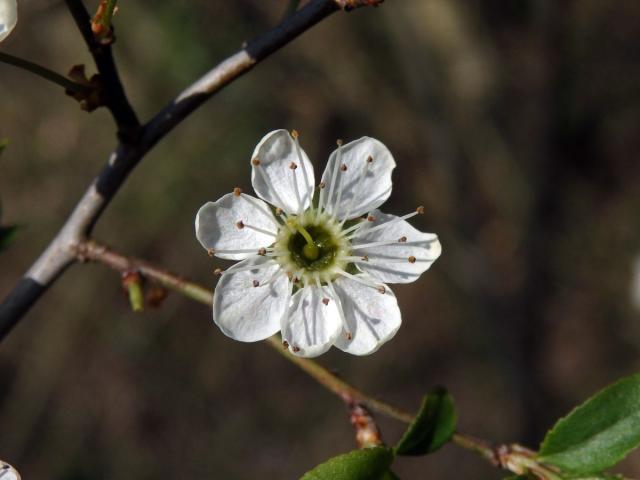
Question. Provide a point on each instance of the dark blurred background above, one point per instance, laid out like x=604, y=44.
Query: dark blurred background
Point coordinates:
x=516, y=124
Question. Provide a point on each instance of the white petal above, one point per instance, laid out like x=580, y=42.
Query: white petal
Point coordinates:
x=8, y=17
x=390, y=263
x=249, y=304
x=291, y=189
x=218, y=227
x=372, y=317
x=311, y=326
x=364, y=185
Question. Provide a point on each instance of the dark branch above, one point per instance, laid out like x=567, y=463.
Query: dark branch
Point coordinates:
x=61, y=252
x=115, y=97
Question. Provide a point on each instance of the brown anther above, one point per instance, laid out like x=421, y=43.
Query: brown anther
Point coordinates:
x=293, y=165
x=294, y=133
x=412, y=259
x=296, y=349
x=285, y=344
x=240, y=224
x=402, y=239
x=381, y=289
x=325, y=300
x=349, y=336
x=217, y=271
x=365, y=259
x=322, y=185
x=255, y=162
x=343, y=167
x=278, y=211
x=296, y=280
x=237, y=191
x=211, y=252
x=339, y=142
x=420, y=209
x=369, y=159
x=262, y=252
x=371, y=218
x=255, y=283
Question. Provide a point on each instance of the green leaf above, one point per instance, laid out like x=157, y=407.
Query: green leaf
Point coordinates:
x=389, y=475
x=597, y=434
x=7, y=235
x=366, y=464
x=433, y=426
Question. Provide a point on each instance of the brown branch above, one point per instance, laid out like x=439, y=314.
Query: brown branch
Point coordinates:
x=135, y=143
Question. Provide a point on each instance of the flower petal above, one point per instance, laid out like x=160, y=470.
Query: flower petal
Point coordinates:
x=8, y=17
x=248, y=304
x=403, y=261
x=372, y=317
x=279, y=176
x=313, y=322
x=235, y=222
x=365, y=184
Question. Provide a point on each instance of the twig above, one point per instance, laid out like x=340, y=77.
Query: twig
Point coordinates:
x=59, y=255
x=43, y=72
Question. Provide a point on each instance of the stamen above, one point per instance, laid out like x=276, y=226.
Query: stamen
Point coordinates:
x=310, y=250
x=261, y=208
x=336, y=162
x=293, y=167
x=357, y=189
x=334, y=208
x=336, y=299
x=237, y=191
x=256, y=283
x=412, y=259
x=418, y=211
x=258, y=266
x=363, y=280
x=240, y=224
x=393, y=242
x=218, y=271
x=305, y=175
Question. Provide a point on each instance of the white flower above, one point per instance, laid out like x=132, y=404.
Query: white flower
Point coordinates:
x=8, y=17
x=7, y=472
x=313, y=268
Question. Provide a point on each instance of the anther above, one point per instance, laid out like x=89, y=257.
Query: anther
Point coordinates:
x=296, y=280
x=240, y=224
x=412, y=259
x=255, y=283
x=371, y=218
x=369, y=159
x=293, y=165
x=322, y=185
x=211, y=252
x=237, y=191
x=339, y=142
x=365, y=258
x=285, y=344
x=381, y=289
x=325, y=300
x=262, y=252
x=420, y=209
x=278, y=211
x=348, y=335
x=402, y=239
x=218, y=271
x=294, y=133
x=343, y=167
x=296, y=349
x=255, y=162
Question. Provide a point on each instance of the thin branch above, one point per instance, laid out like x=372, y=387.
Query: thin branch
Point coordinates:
x=513, y=458
x=115, y=96
x=43, y=72
x=59, y=255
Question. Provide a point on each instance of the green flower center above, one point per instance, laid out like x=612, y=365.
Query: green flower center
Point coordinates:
x=314, y=248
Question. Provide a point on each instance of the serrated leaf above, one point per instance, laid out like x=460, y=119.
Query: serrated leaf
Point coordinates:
x=433, y=426
x=366, y=464
x=7, y=235
x=597, y=434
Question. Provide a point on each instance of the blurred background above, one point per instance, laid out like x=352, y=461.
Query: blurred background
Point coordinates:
x=517, y=126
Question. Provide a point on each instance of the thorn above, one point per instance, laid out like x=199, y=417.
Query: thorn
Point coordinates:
x=325, y=300
x=262, y=252
x=255, y=283
x=255, y=162
x=420, y=209
x=217, y=271
x=412, y=259
x=211, y=252
x=237, y=191
x=371, y=218
x=402, y=239
x=293, y=165
x=240, y=224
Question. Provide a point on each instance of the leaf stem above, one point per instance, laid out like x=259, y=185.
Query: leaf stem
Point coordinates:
x=43, y=72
